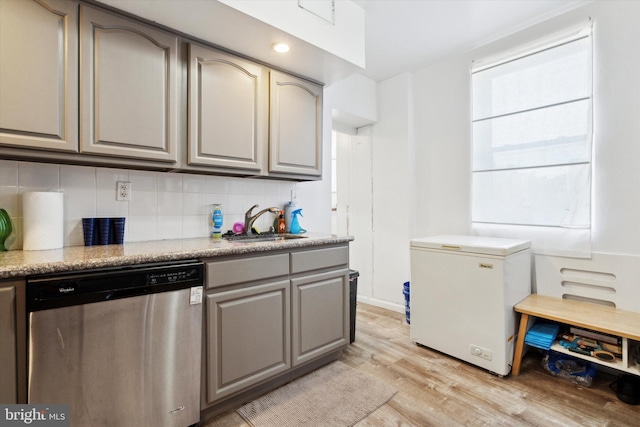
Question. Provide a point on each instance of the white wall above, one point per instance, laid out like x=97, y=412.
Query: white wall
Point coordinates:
x=377, y=183
x=442, y=128
x=392, y=139
x=442, y=149
x=433, y=147
x=355, y=201
x=354, y=103
x=162, y=206
x=616, y=226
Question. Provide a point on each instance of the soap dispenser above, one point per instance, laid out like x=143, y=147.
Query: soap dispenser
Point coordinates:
x=282, y=228
x=216, y=220
x=289, y=207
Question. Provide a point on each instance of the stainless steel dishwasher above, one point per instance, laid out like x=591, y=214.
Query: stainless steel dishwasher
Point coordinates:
x=120, y=346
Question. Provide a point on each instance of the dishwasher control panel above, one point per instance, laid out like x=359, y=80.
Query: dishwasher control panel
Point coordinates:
x=173, y=276
x=81, y=287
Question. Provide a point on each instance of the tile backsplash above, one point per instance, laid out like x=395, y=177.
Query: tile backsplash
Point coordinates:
x=162, y=206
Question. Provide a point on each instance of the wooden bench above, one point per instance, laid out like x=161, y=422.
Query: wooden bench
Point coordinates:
x=601, y=318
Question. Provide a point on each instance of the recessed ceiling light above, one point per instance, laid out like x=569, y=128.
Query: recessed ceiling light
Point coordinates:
x=281, y=47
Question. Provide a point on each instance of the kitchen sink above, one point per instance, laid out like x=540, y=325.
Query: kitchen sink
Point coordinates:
x=262, y=237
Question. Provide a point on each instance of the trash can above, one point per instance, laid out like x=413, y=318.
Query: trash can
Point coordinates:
x=353, y=292
x=406, y=290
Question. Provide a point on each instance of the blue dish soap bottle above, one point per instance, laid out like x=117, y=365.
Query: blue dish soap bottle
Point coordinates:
x=216, y=219
x=295, y=224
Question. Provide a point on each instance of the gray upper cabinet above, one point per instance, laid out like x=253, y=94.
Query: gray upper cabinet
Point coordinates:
x=39, y=74
x=227, y=111
x=80, y=84
x=295, y=144
x=240, y=112
x=129, y=88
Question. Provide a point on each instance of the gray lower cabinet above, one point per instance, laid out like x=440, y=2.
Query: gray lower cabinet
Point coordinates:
x=8, y=357
x=247, y=337
x=319, y=301
x=247, y=323
x=12, y=342
x=269, y=314
x=39, y=74
x=319, y=314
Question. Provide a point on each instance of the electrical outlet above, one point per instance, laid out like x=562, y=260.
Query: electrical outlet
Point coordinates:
x=123, y=191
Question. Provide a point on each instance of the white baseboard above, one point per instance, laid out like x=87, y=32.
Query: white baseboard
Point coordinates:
x=382, y=304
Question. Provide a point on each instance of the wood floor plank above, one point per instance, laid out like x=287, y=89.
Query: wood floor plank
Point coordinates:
x=437, y=390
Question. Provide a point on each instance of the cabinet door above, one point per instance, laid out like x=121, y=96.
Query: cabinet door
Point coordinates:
x=226, y=111
x=8, y=356
x=295, y=143
x=248, y=332
x=129, y=88
x=39, y=74
x=319, y=315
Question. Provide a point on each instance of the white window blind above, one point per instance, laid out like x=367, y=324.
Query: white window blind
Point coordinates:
x=532, y=138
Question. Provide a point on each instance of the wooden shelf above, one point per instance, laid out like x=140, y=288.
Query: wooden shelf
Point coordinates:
x=615, y=365
x=600, y=318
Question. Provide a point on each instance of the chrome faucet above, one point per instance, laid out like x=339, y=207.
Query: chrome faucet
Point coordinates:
x=250, y=219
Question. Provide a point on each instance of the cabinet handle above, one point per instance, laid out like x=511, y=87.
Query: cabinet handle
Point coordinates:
x=453, y=248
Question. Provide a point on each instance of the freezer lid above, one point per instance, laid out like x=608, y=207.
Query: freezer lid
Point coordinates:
x=472, y=244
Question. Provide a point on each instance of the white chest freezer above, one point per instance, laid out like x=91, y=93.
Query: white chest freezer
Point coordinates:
x=463, y=289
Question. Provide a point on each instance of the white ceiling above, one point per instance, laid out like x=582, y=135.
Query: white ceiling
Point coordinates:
x=407, y=35
x=400, y=35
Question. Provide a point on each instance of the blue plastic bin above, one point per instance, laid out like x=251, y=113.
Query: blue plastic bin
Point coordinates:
x=406, y=290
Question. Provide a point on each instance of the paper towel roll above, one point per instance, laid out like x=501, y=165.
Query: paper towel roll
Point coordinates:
x=42, y=220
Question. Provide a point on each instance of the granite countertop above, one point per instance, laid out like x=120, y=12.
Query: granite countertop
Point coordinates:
x=24, y=263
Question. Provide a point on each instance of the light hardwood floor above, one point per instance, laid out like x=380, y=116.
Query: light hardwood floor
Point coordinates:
x=437, y=390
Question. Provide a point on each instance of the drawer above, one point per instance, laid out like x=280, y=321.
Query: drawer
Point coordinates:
x=319, y=258
x=233, y=271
